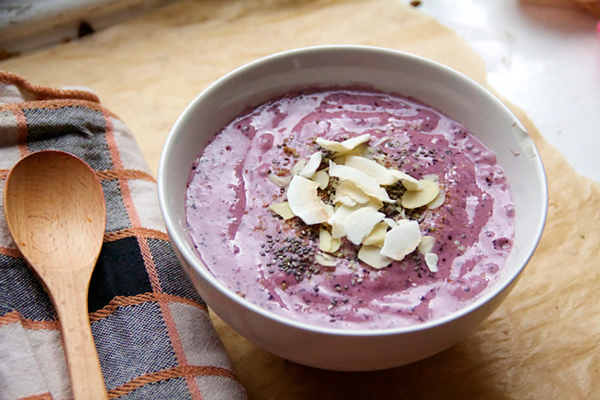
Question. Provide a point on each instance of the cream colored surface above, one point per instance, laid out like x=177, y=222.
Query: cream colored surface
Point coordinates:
x=544, y=340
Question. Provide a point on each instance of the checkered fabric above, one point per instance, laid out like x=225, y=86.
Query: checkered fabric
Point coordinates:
x=151, y=328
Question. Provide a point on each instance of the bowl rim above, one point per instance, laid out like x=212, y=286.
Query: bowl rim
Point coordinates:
x=196, y=263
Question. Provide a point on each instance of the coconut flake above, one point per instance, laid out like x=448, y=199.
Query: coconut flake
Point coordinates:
x=345, y=146
x=431, y=177
x=431, y=259
x=329, y=209
x=416, y=199
x=345, y=200
x=372, y=168
x=390, y=222
x=282, y=209
x=359, y=151
x=360, y=223
x=374, y=203
x=298, y=167
x=372, y=256
x=426, y=245
x=408, y=181
x=324, y=240
x=349, y=194
x=281, y=181
x=322, y=178
x=335, y=245
x=305, y=202
x=401, y=240
x=326, y=260
x=363, y=181
x=438, y=201
x=377, y=235
x=311, y=167
x=338, y=219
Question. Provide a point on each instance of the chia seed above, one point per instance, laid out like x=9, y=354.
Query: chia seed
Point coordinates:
x=293, y=256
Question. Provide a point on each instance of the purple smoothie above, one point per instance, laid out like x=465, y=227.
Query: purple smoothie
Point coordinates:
x=271, y=262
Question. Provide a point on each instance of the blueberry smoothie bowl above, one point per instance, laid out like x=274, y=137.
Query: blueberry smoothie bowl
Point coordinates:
x=351, y=207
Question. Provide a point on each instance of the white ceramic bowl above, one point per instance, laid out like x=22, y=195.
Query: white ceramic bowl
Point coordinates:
x=388, y=70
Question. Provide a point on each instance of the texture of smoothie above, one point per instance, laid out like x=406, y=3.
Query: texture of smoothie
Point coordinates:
x=278, y=261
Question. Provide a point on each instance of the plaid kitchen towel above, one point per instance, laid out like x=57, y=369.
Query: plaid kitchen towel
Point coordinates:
x=151, y=328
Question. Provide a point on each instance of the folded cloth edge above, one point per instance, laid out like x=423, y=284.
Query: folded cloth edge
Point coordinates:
x=141, y=301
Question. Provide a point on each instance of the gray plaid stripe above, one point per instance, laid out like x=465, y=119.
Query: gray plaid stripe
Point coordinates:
x=131, y=342
x=19, y=290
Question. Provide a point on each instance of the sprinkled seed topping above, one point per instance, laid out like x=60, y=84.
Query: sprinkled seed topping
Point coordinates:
x=320, y=275
x=294, y=256
x=347, y=206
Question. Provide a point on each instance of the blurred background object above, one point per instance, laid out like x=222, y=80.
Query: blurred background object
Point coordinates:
x=591, y=6
x=31, y=24
x=542, y=55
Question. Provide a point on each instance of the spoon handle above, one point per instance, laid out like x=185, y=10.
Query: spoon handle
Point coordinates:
x=69, y=291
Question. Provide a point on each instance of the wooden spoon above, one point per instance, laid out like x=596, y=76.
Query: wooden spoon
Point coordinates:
x=55, y=211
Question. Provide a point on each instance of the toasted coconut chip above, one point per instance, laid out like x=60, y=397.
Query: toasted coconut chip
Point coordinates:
x=408, y=181
x=360, y=223
x=281, y=181
x=401, y=240
x=324, y=240
x=326, y=260
x=311, y=167
x=372, y=256
x=305, y=202
x=359, y=150
x=372, y=168
x=282, y=209
x=322, y=178
x=438, y=201
x=427, y=194
x=335, y=244
x=349, y=194
x=345, y=200
x=345, y=146
x=329, y=209
x=390, y=222
x=338, y=219
x=426, y=245
x=377, y=235
x=363, y=181
x=431, y=260
x=298, y=167
x=374, y=203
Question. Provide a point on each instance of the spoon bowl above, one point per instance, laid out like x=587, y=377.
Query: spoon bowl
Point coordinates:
x=55, y=211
